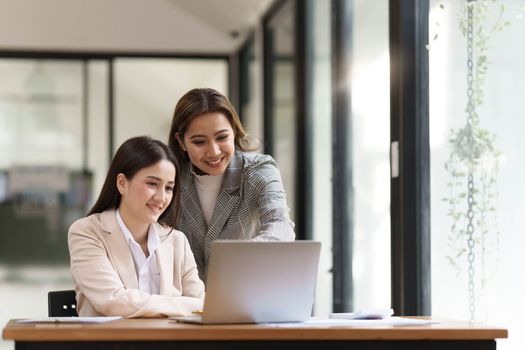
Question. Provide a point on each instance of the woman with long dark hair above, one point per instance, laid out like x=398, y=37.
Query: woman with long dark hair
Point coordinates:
x=126, y=258
x=227, y=192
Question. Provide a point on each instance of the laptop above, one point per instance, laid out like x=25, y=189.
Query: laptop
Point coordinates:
x=259, y=282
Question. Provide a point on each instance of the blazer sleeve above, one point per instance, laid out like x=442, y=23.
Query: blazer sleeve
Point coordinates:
x=98, y=280
x=265, y=182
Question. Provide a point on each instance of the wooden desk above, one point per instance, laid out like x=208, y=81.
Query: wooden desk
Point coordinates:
x=166, y=334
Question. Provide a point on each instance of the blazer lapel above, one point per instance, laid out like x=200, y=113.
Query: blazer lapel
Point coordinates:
x=191, y=208
x=228, y=198
x=118, y=249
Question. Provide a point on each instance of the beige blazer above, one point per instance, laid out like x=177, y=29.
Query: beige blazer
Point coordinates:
x=104, y=273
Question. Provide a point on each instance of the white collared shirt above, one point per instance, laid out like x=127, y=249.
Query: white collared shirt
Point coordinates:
x=146, y=268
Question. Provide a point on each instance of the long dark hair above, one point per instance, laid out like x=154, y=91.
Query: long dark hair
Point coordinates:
x=132, y=156
x=199, y=101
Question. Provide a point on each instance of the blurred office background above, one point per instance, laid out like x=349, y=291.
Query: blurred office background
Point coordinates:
x=355, y=99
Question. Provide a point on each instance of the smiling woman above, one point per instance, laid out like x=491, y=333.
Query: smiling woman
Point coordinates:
x=126, y=259
x=209, y=143
x=226, y=192
x=144, y=197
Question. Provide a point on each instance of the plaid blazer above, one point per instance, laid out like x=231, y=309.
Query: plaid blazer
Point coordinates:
x=251, y=205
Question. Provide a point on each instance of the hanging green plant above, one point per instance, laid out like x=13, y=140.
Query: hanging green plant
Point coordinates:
x=473, y=162
x=483, y=160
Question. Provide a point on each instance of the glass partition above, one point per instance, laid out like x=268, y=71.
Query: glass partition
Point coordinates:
x=147, y=89
x=41, y=113
x=46, y=183
x=250, y=89
x=281, y=109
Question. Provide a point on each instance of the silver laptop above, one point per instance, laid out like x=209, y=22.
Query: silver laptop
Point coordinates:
x=259, y=282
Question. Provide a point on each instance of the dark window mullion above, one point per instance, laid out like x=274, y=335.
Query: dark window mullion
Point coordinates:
x=268, y=65
x=410, y=191
x=85, y=114
x=303, y=116
x=343, y=194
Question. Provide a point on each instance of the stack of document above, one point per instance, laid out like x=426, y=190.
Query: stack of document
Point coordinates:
x=372, y=314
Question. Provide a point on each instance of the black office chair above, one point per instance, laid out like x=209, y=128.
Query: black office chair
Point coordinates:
x=62, y=303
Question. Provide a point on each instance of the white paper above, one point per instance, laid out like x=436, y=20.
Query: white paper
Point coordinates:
x=389, y=321
x=370, y=314
x=101, y=319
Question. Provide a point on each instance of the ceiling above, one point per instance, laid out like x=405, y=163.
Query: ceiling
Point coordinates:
x=232, y=17
x=171, y=26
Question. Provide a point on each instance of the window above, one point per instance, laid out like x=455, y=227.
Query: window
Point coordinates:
x=370, y=153
x=319, y=106
x=488, y=286
x=361, y=165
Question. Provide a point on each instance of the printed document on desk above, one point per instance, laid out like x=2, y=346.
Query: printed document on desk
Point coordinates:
x=388, y=321
x=370, y=314
x=101, y=319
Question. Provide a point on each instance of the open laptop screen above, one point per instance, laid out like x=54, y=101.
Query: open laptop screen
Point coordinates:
x=256, y=282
